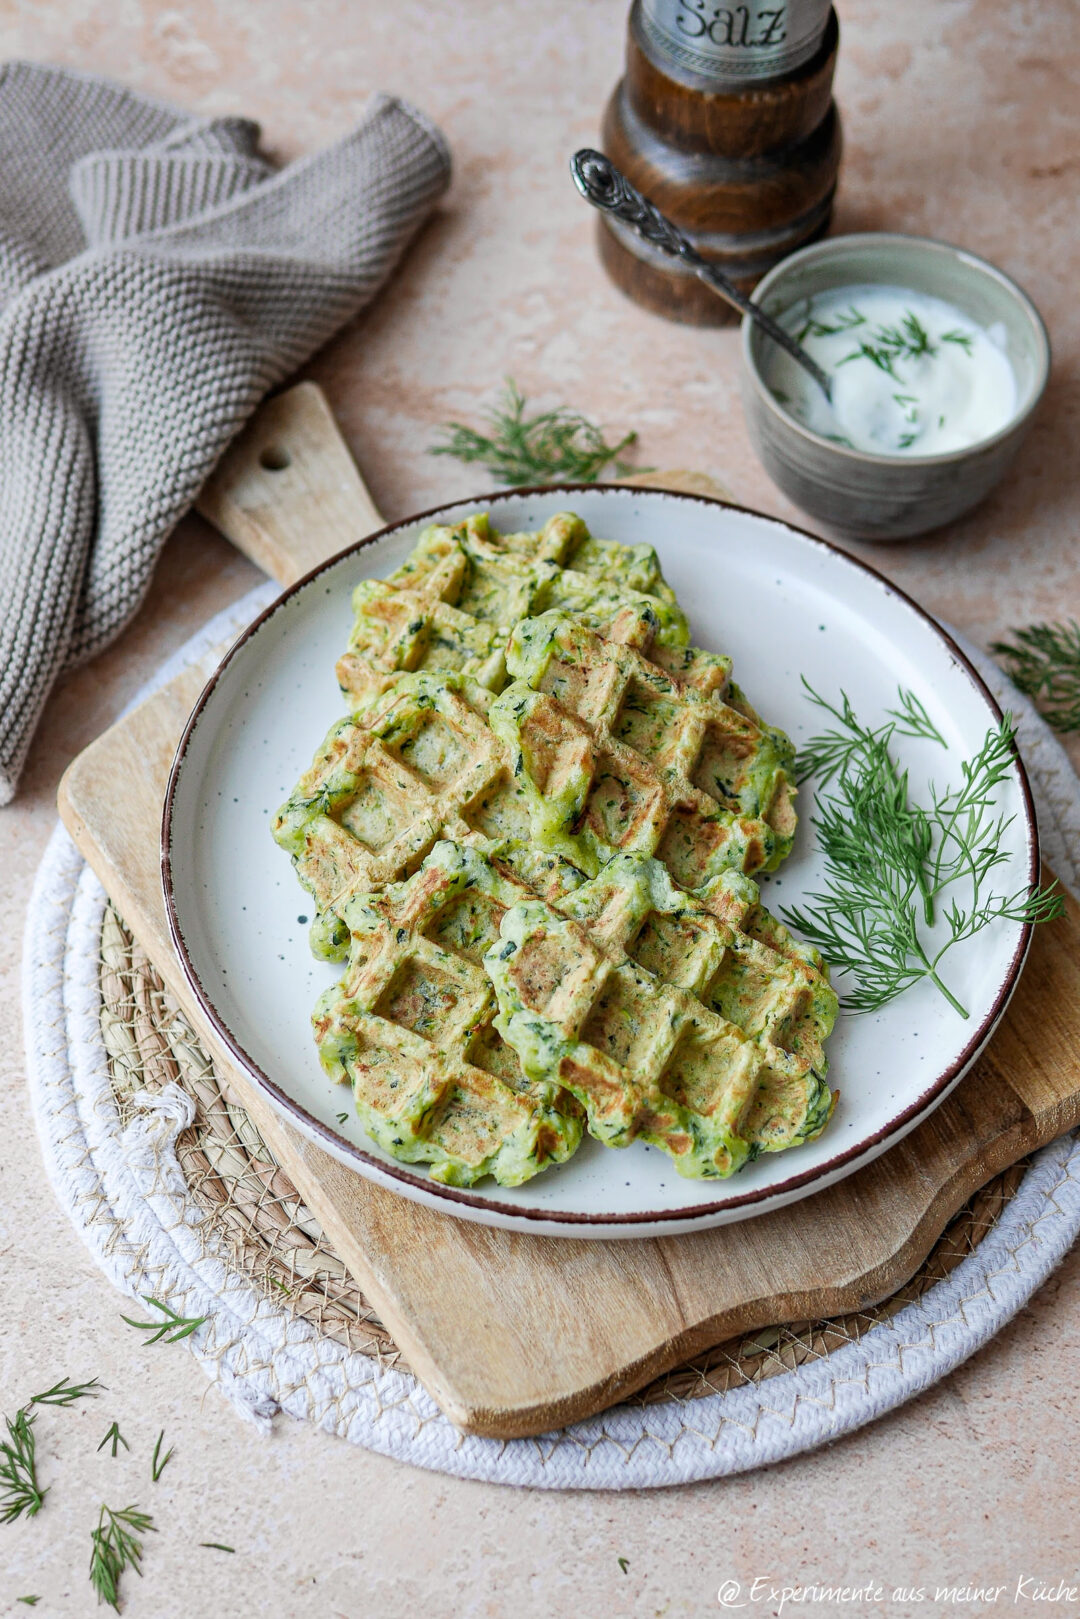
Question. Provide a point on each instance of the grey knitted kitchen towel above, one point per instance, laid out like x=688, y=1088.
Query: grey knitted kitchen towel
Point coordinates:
x=157, y=276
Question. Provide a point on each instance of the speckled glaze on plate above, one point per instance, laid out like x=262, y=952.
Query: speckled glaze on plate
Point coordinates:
x=784, y=604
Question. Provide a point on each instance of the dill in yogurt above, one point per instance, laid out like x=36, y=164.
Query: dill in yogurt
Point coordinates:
x=912, y=375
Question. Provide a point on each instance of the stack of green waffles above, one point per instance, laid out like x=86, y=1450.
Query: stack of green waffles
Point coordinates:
x=531, y=842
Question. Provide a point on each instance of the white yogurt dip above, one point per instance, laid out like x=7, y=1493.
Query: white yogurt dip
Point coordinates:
x=911, y=374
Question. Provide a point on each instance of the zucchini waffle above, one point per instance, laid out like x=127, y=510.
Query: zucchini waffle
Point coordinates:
x=498, y=837
x=625, y=996
x=411, y=1027
x=451, y=605
x=422, y=764
x=608, y=754
x=698, y=1027
x=617, y=755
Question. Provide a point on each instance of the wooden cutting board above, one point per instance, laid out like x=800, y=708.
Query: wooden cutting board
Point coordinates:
x=514, y=1334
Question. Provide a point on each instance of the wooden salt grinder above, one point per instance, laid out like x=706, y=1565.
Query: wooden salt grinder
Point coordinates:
x=725, y=120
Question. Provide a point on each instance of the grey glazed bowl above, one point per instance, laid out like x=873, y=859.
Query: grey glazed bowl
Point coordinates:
x=889, y=497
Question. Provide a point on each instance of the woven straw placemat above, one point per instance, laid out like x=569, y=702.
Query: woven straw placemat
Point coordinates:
x=248, y=1200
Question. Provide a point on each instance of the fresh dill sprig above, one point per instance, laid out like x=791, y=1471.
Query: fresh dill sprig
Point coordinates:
x=961, y=339
x=894, y=867
x=852, y=744
x=114, y=1546
x=19, y=1488
x=555, y=446
x=158, y=1467
x=1043, y=662
x=172, y=1329
x=66, y=1393
x=116, y=1437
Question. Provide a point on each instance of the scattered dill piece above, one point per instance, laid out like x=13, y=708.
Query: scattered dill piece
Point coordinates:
x=844, y=321
x=961, y=339
x=158, y=1466
x=877, y=356
x=1043, y=661
x=894, y=867
x=914, y=336
x=343, y=1118
x=216, y=1546
x=905, y=440
x=31, y=1602
x=115, y=1546
x=909, y=340
x=172, y=1329
x=19, y=1488
x=624, y=1564
x=909, y=405
x=554, y=446
x=839, y=438
x=116, y=1437
x=66, y=1393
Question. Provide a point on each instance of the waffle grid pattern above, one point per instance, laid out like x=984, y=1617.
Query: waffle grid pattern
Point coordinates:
x=410, y=1026
x=451, y=605
x=617, y=754
x=665, y=1022
x=593, y=749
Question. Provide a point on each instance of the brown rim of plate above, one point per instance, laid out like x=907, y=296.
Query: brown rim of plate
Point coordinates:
x=345, y=1150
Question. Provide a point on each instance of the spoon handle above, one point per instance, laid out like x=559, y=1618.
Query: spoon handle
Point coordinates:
x=602, y=184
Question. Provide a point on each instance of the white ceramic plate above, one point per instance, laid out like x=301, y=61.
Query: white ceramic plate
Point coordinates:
x=784, y=604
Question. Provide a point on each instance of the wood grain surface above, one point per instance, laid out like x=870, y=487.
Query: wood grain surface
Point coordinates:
x=515, y=1334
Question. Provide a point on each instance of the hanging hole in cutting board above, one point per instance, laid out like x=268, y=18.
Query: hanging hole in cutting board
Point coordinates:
x=274, y=458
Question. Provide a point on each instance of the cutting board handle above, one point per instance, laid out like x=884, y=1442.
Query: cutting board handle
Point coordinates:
x=287, y=490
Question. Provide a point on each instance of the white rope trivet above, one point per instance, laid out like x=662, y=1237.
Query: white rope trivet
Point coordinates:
x=124, y=1192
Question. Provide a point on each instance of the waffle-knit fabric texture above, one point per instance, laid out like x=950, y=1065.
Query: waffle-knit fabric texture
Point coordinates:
x=157, y=276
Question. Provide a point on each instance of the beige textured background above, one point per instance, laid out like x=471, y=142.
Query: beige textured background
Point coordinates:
x=962, y=121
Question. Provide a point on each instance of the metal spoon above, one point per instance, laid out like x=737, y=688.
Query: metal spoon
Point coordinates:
x=602, y=184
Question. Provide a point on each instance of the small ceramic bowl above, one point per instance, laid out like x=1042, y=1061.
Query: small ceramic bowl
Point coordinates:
x=890, y=497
